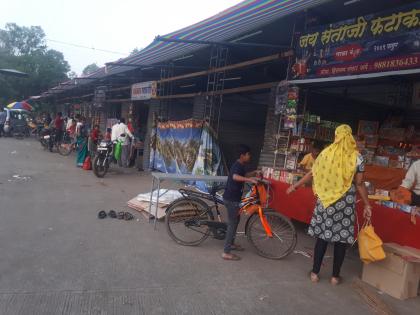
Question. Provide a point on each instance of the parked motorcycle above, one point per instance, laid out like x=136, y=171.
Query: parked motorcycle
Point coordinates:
x=103, y=158
x=44, y=137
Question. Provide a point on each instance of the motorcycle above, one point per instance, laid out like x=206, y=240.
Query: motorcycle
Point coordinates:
x=44, y=137
x=103, y=158
x=47, y=138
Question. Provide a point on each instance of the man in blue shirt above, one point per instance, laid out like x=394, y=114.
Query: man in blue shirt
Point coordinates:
x=232, y=197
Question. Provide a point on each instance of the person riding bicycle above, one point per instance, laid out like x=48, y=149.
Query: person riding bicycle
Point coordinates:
x=232, y=196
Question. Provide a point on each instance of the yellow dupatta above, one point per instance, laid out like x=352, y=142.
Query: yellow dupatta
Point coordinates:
x=334, y=169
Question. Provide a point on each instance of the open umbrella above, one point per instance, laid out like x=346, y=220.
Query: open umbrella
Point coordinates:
x=20, y=105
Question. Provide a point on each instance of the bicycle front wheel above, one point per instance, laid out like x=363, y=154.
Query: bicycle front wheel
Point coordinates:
x=184, y=221
x=284, y=238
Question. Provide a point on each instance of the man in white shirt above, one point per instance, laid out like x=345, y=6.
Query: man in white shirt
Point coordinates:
x=120, y=132
x=412, y=182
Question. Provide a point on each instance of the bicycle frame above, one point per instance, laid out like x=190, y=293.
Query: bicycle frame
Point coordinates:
x=248, y=205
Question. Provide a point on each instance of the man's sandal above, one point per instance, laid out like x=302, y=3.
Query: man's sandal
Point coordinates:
x=226, y=256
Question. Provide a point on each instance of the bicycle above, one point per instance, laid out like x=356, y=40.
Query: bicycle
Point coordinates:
x=67, y=145
x=190, y=220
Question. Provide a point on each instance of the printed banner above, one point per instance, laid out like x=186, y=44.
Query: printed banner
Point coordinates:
x=186, y=147
x=143, y=91
x=386, y=41
x=99, y=96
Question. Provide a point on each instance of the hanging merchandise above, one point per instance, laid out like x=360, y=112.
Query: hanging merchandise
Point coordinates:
x=281, y=98
x=290, y=120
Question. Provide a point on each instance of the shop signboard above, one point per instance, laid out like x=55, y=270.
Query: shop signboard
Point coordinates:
x=382, y=42
x=143, y=91
x=99, y=96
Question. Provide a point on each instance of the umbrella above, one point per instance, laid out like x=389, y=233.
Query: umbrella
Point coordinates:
x=20, y=105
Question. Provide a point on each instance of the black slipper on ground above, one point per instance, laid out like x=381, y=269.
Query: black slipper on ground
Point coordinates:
x=121, y=215
x=128, y=216
x=112, y=214
x=102, y=214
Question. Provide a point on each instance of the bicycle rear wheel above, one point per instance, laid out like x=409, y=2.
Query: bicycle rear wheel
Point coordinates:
x=65, y=148
x=284, y=237
x=183, y=218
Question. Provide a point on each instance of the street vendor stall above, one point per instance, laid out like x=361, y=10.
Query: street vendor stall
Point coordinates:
x=364, y=74
x=390, y=224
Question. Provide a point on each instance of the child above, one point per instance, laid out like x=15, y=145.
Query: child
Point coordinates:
x=108, y=134
x=95, y=135
x=232, y=196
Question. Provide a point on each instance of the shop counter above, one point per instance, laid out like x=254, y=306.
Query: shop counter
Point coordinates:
x=392, y=225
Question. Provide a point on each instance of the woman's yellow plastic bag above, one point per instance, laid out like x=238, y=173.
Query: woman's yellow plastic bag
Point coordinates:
x=370, y=245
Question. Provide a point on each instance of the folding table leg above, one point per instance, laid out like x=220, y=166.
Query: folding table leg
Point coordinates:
x=151, y=195
x=157, y=202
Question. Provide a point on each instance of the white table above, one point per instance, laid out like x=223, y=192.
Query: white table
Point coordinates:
x=160, y=177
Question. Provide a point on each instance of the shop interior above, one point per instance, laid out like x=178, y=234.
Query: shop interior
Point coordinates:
x=384, y=116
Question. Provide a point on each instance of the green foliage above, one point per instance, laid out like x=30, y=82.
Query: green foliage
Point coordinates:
x=90, y=69
x=24, y=49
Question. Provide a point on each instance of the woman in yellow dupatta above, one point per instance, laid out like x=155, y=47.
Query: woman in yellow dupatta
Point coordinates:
x=337, y=174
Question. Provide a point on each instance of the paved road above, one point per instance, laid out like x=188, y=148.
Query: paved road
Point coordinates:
x=58, y=258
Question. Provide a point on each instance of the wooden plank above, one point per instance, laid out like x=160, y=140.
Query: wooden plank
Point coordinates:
x=231, y=67
x=241, y=89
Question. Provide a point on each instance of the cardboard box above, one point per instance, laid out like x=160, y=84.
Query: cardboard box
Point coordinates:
x=398, y=274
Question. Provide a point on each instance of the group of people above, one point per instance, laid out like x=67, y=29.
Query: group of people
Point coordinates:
x=86, y=139
x=336, y=173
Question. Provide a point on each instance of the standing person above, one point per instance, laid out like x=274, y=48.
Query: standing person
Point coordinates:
x=81, y=142
x=232, y=196
x=3, y=116
x=120, y=132
x=69, y=122
x=48, y=119
x=309, y=159
x=411, y=183
x=337, y=174
x=94, y=139
x=58, y=125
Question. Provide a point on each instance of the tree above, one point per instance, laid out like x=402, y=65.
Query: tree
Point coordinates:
x=21, y=40
x=90, y=69
x=134, y=51
x=23, y=48
x=72, y=75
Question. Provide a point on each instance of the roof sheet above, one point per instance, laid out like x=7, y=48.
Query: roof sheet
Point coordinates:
x=228, y=24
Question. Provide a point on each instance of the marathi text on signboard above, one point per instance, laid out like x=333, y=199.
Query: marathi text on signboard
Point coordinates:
x=380, y=42
x=143, y=91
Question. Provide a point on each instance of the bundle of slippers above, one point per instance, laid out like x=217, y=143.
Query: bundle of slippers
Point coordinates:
x=113, y=214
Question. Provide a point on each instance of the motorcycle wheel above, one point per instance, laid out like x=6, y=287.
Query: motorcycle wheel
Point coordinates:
x=99, y=169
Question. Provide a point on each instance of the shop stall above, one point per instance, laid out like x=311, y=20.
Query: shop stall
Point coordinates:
x=362, y=72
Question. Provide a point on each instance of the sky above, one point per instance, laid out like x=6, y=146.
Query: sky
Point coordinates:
x=114, y=25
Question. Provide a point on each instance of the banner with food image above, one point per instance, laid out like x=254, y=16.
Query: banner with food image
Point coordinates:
x=381, y=42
